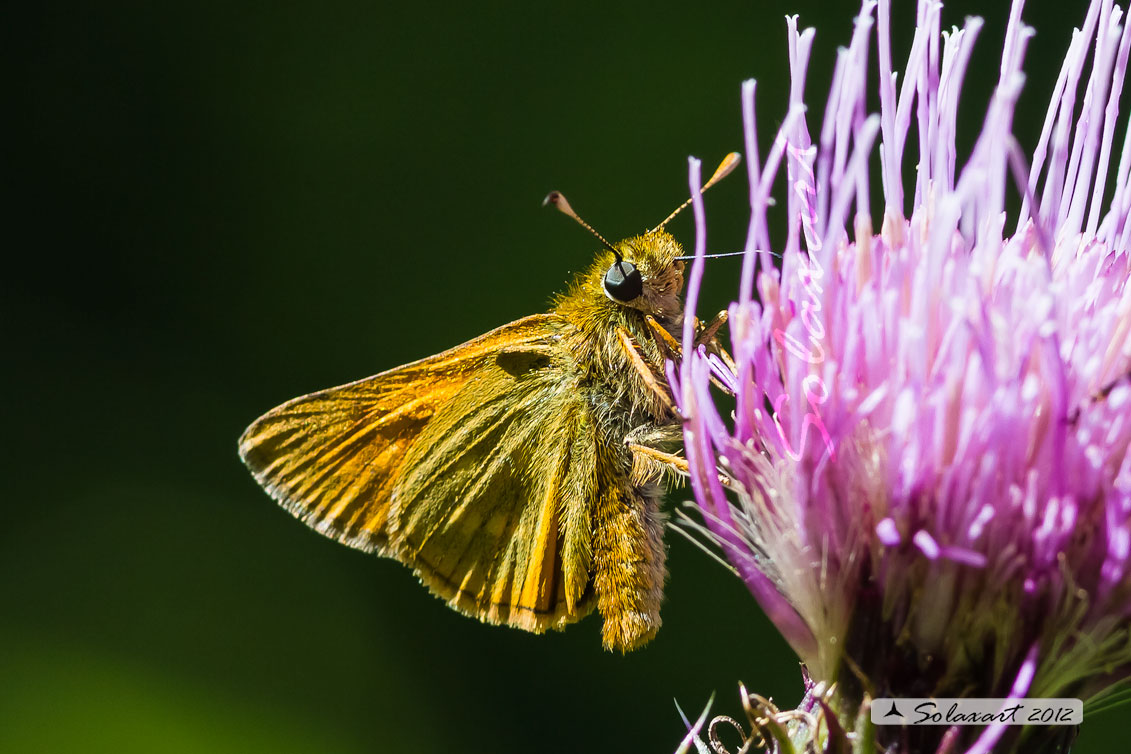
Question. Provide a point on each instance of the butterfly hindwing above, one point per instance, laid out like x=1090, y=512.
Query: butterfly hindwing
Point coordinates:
x=490, y=499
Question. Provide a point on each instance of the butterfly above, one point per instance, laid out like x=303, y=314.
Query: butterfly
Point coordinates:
x=518, y=474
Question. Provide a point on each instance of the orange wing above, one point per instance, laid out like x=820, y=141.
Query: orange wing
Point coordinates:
x=474, y=467
x=493, y=504
x=331, y=457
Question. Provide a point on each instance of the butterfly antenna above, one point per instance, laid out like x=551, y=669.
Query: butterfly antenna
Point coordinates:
x=561, y=204
x=729, y=163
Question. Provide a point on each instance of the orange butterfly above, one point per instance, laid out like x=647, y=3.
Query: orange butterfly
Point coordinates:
x=516, y=474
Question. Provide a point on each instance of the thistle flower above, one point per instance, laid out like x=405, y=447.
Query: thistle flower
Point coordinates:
x=930, y=490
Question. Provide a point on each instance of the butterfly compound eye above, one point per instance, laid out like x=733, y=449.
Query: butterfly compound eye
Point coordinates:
x=623, y=282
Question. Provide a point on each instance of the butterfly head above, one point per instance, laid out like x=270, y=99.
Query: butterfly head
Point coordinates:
x=642, y=273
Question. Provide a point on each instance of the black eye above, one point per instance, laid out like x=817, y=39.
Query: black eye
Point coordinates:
x=623, y=282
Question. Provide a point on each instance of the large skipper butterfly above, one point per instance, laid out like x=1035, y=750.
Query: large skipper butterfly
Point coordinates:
x=519, y=474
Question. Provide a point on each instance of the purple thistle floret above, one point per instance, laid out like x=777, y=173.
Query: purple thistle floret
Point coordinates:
x=930, y=484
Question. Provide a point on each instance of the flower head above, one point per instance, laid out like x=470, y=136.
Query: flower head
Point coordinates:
x=930, y=490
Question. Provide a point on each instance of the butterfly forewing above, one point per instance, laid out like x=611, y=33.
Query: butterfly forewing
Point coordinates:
x=472, y=466
x=330, y=457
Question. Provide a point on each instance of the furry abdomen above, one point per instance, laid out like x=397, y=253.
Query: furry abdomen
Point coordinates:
x=629, y=555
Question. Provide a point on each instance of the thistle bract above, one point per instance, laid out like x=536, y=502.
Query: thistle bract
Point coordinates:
x=929, y=485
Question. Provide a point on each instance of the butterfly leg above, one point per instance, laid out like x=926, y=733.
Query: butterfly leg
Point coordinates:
x=707, y=333
x=1105, y=391
x=670, y=348
x=707, y=337
x=649, y=445
x=1099, y=395
x=663, y=396
x=650, y=458
x=648, y=463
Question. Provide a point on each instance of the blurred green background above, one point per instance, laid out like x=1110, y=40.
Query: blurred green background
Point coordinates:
x=220, y=206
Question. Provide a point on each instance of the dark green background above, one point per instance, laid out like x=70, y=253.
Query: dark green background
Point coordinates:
x=218, y=207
